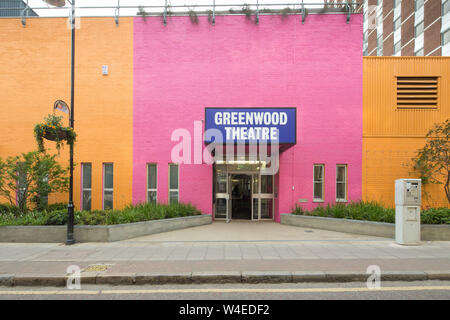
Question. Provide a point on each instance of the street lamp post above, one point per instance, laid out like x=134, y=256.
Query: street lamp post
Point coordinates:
x=70, y=208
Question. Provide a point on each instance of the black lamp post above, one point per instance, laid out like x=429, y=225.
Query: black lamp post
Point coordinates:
x=70, y=208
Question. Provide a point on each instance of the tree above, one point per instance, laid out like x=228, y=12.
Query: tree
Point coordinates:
x=30, y=177
x=432, y=161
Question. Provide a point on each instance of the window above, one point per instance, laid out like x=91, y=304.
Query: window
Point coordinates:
x=418, y=30
x=173, y=183
x=419, y=4
x=318, y=182
x=445, y=7
x=86, y=180
x=43, y=197
x=446, y=36
x=397, y=47
x=341, y=182
x=108, y=183
x=417, y=92
x=380, y=46
x=397, y=23
x=21, y=183
x=419, y=53
x=151, y=182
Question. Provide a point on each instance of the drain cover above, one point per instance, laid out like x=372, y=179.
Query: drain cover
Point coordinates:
x=309, y=231
x=96, y=267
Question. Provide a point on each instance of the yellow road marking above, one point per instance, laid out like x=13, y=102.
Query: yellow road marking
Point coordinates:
x=47, y=292
x=224, y=290
x=273, y=290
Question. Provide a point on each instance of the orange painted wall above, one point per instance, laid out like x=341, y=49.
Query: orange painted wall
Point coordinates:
x=35, y=71
x=391, y=136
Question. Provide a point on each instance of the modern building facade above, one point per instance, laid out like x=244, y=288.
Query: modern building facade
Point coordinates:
x=146, y=95
x=15, y=8
x=406, y=27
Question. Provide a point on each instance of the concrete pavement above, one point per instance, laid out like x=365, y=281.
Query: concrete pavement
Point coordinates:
x=271, y=252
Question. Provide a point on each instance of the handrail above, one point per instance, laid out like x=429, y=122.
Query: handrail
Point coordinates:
x=257, y=5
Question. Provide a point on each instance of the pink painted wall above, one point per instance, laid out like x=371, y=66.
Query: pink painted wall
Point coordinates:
x=181, y=68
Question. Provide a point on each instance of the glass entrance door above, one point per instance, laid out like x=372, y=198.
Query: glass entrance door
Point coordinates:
x=222, y=197
x=262, y=197
x=236, y=189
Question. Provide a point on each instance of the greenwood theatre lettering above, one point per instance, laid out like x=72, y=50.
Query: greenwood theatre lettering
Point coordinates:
x=252, y=124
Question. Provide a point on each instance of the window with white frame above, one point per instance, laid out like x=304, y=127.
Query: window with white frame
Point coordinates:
x=319, y=172
x=86, y=181
x=173, y=183
x=341, y=182
x=152, y=190
x=108, y=186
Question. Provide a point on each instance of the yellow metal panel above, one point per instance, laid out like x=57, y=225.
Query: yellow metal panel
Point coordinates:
x=391, y=135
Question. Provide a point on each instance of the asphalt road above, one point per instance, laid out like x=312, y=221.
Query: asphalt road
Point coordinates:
x=427, y=290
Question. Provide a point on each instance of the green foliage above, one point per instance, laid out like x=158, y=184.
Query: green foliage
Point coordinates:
x=210, y=16
x=435, y=216
x=31, y=176
x=372, y=211
x=52, y=129
x=143, y=13
x=432, y=162
x=286, y=11
x=193, y=16
x=247, y=11
x=131, y=213
x=8, y=208
x=56, y=206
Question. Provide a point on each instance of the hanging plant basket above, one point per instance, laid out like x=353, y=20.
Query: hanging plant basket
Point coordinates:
x=52, y=130
x=55, y=136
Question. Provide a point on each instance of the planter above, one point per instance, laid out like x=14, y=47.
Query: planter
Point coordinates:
x=57, y=136
x=109, y=233
x=370, y=228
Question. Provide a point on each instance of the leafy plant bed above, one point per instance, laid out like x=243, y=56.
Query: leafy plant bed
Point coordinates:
x=372, y=211
x=130, y=214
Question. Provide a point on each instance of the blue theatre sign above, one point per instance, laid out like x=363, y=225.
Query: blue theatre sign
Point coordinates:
x=252, y=125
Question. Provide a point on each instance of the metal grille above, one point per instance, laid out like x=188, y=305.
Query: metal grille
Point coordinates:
x=417, y=92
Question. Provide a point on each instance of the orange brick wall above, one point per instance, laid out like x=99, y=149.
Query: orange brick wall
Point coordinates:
x=35, y=71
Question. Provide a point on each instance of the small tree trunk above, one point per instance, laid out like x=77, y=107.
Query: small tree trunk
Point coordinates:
x=447, y=188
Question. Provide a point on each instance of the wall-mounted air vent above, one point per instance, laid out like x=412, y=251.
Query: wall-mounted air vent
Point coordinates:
x=417, y=92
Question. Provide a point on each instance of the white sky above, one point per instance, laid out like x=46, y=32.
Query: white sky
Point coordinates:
x=51, y=11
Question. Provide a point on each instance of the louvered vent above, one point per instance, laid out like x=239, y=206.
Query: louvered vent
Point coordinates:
x=417, y=92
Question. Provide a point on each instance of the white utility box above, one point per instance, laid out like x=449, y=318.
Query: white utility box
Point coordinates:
x=408, y=198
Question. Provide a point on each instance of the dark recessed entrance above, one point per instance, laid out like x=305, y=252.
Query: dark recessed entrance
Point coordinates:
x=241, y=193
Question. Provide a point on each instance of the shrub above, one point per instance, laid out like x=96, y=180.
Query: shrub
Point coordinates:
x=56, y=206
x=8, y=208
x=435, y=216
x=372, y=211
